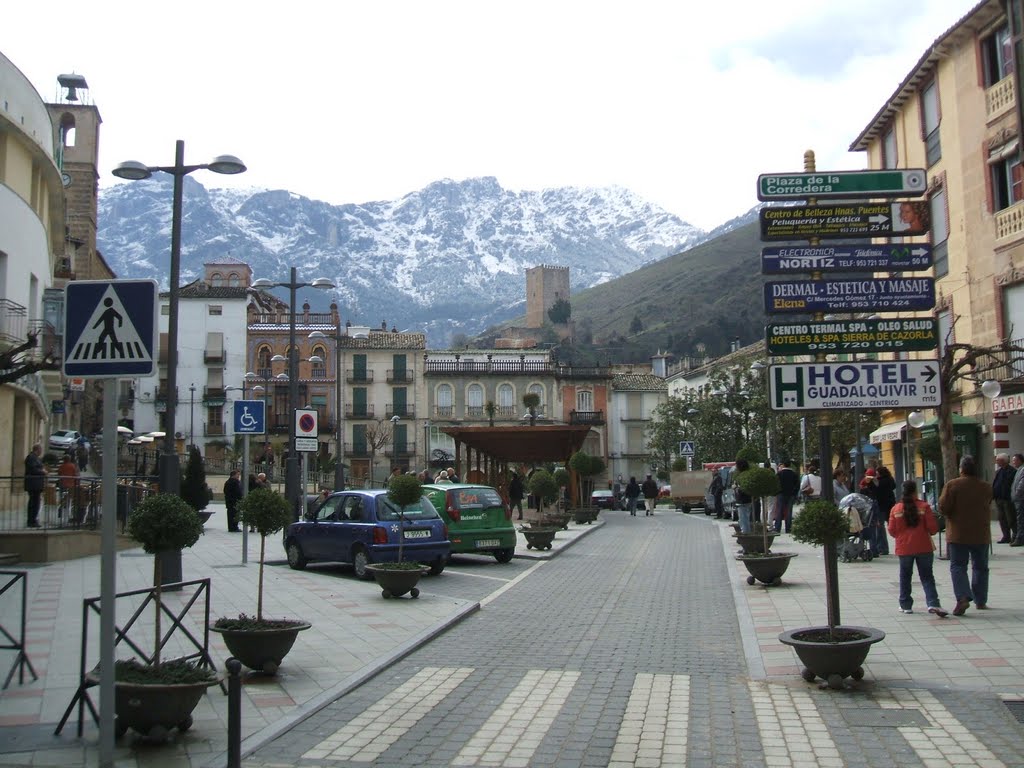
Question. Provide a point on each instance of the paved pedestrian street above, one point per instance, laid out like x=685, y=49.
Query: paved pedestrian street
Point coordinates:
x=634, y=642
x=628, y=650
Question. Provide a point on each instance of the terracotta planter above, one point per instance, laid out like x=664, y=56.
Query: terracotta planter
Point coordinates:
x=397, y=582
x=539, y=538
x=833, y=662
x=261, y=649
x=768, y=569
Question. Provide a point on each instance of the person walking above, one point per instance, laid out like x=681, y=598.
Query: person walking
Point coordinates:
x=650, y=491
x=885, y=485
x=1002, y=486
x=515, y=494
x=965, y=503
x=35, y=481
x=232, y=497
x=912, y=524
x=632, y=494
x=789, y=490
x=717, y=489
x=1017, y=497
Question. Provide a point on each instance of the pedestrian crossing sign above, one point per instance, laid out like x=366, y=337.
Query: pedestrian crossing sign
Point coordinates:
x=110, y=328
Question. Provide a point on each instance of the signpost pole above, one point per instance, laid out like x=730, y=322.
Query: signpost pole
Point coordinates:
x=245, y=491
x=108, y=564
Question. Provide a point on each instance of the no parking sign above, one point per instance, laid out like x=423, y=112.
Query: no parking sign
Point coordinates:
x=307, y=429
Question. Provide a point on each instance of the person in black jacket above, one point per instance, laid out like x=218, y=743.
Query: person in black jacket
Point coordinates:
x=35, y=481
x=515, y=494
x=632, y=494
x=650, y=491
x=233, y=495
x=1002, y=484
x=789, y=489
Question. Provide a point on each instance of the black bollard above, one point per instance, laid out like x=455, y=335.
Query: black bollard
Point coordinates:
x=234, y=713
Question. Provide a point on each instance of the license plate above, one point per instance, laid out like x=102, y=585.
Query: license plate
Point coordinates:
x=487, y=542
x=417, y=534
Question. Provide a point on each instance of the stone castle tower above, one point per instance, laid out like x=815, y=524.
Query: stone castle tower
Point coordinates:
x=544, y=286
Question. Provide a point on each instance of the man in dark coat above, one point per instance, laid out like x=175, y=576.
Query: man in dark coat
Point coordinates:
x=649, y=488
x=1002, y=484
x=965, y=503
x=515, y=494
x=232, y=496
x=35, y=481
x=789, y=490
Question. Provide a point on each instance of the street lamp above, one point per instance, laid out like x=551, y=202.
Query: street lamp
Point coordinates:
x=192, y=415
x=291, y=467
x=170, y=465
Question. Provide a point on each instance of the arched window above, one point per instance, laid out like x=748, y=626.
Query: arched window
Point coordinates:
x=67, y=129
x=320, y=369
x=584, y=400
x=538, y=390
x=216, y=279
x=444, y=401
x=263, y=355
x=506, y=401
x=475, y=401
x=234, y=280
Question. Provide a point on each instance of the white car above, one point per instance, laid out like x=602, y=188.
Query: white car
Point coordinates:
x=64, y=440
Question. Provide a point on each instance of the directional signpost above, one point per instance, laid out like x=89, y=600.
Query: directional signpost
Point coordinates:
x=871, y=384
x=865, y=257
x=910, y=182
x=845, y=220
x=867, y=294
x=851, y=336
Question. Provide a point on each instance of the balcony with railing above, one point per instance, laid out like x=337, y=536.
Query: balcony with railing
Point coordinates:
x=215, y=356
x=211, y=430
x=357, y=450
x=353, y=411
x=279, y=423
x=399, y=450
x=583, y=372
x=586, y=417
x=1010, y=224
x=1011, y=374
x=475, y=412
x=401, y=411
x=318, y=372
x=444, y=411
x=399, y=377
x=13, y=323
x=214, y=395
x=48, y=340
x=285, y=318
x=477, y=367
x=506, y=412
x=358, y=376
x=1000, y=97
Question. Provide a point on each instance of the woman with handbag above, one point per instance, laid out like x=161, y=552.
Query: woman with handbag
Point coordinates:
x=810, y=483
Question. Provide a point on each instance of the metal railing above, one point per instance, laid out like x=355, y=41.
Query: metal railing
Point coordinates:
x=358, y=377
x=67, y=503
x=402, y=411
x=13, y=322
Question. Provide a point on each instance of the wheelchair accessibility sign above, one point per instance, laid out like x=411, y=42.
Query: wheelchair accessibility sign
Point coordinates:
x=250, y=417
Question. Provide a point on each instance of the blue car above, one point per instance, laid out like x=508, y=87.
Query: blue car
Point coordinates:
x=363, y=527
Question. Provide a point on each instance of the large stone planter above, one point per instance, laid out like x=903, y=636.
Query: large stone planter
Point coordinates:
x=262, y=649
x=585, y=515
x=753, y=543
x=395, y=582
x=768, y=569
x=833, y=662
x=539, y=538
x=152, y=710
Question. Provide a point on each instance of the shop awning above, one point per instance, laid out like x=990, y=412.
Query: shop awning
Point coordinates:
x=887, y=432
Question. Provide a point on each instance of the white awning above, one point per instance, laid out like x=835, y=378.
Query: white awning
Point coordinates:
x=887, y=432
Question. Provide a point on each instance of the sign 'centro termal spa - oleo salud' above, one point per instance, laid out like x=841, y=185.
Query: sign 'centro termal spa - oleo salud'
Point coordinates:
x=908, y=182
x=877, y=335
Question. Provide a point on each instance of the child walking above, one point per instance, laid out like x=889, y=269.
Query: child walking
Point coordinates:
x=912, y=524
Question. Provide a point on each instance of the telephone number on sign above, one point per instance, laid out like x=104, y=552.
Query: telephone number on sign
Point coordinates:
x=832, y=346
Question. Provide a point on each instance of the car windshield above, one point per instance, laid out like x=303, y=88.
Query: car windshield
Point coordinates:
x=602, y=493
x=421, y=510
x=475, y=498
x=63, y=433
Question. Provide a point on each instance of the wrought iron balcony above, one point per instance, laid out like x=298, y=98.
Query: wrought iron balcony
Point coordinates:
x=586, y=417
x=359, y=377
x=359, y=411
x=400, y=450
x=399, y=377
x=401, y=411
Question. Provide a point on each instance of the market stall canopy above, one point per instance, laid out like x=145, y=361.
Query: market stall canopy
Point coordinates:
x=888, y=432
x=526, y=444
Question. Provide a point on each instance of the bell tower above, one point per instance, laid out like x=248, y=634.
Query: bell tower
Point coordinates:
x=76, y=135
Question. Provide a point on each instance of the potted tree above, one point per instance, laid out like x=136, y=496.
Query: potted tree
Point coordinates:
x=397, y=578
x=762, y=565
x=531, y=400
x=585, y=466
x=260, y=643
x=545, y=489
x=833, y=652
x=153, y=696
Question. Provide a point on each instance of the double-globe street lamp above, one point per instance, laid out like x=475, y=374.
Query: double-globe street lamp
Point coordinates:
x=291, y=467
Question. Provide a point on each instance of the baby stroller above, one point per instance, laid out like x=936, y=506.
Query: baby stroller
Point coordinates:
x=861, y=511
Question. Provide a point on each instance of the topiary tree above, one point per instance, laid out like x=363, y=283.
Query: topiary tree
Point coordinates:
x=193, y=486
x=404, y=491
x=543, y=486
x=163, y=522
x=531, y=400
x=823, y=524
x=759, y=483
x=268, y=512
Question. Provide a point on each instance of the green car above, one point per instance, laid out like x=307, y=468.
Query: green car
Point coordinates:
x=478, y=519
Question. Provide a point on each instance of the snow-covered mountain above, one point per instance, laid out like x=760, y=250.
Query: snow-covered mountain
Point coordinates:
x=449, y=258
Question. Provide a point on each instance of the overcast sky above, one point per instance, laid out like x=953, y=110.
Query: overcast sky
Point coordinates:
x=684, y=103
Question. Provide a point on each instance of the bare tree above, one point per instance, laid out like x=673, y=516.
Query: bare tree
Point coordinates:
x=14, y=363
x=968, y=362
x=378, y=435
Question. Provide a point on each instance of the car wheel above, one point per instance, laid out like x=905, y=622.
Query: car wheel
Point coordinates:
x=296, y=559
x=504, y=555
x=359, y=562
x=437, y=567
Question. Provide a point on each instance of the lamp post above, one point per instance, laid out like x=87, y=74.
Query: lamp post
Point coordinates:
x=291, y=467
x=191, y=415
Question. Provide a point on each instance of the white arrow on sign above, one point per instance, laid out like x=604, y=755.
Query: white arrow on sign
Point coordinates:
x=879, y=219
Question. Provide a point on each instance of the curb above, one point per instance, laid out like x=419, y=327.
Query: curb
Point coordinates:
x=529, y=554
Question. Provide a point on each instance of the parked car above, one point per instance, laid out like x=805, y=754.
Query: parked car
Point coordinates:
x=478, y=519
x=363, y=527
x=64, y=440
x=604, y=500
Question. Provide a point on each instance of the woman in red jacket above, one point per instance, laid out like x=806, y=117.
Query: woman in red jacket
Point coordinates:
x=912, y=523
